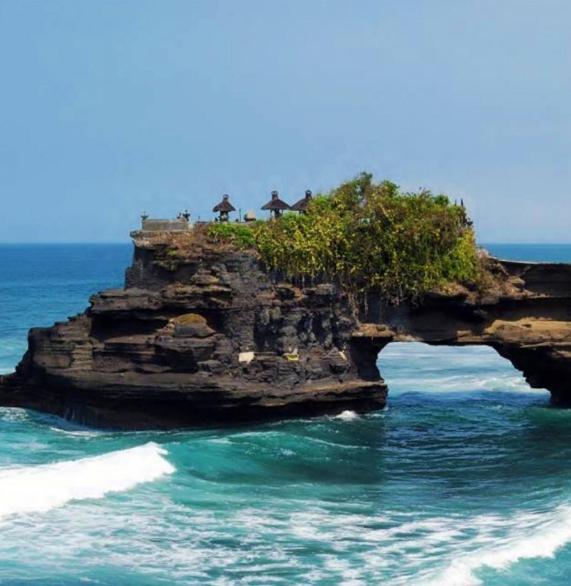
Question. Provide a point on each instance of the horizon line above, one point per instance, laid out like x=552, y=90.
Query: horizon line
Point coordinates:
x=107, y=242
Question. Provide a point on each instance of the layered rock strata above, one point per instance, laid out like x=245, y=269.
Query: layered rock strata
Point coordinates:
x=213, y=338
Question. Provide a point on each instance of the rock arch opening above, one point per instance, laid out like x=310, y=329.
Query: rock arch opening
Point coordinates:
x=449, y=370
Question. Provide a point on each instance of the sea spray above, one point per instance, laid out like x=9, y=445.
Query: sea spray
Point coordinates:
x=347, y=416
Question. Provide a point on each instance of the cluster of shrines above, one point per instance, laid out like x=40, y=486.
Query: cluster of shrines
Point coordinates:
x=275, y=206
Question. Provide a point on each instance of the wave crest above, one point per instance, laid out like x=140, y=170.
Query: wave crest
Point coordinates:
x=44, y=487
x=532, y=535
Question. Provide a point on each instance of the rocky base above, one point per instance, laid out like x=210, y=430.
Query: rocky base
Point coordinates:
x=212, y=338
x=159, y=402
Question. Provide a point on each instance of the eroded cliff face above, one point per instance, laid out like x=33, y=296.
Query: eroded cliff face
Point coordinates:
x=206, y=340
x=214, y=338
x=526, y=318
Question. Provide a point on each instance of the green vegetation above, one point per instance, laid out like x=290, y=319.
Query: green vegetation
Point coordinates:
x=368, y=235
x=242, y=235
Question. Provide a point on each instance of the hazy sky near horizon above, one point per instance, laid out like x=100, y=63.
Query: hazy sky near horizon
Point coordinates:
x=109, y=108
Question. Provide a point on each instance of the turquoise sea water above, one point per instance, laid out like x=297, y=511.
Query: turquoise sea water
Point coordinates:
x=464, y=479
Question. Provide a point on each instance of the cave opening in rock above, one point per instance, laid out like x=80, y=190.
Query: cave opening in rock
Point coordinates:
x=449, y=370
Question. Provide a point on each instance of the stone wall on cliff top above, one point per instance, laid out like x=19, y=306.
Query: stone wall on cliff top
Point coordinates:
x=214, y=338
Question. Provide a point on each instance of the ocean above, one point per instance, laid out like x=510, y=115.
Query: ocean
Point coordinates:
x=464, y=478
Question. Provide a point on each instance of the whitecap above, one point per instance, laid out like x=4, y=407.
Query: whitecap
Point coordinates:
x=76, y=432
x=530, y=535
x=347, y=416
x=13, y=414
x=44, y=487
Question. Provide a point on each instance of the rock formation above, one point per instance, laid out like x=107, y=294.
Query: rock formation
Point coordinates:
x=213, y=338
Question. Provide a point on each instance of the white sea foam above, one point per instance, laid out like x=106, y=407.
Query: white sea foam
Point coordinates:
x=461, y=384
x=467, y=545
x=44, y=487
x=430, y=369
x=13, y=414
x=77, y=432
x=347, y=416
x=529, y=535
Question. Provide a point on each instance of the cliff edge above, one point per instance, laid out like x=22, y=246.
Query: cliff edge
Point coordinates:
x=215, y=338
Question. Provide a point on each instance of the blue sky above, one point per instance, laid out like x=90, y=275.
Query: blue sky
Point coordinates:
x=112, y=107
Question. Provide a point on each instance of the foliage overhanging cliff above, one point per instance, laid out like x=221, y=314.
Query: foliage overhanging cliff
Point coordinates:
x=367, y=235
x=203, y=333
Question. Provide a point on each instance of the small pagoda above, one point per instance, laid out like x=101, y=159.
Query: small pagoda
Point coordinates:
x=224, y=208
x=276, y=206
x=301, y=205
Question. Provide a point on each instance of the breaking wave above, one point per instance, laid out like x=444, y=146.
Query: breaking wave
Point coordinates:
x=347, y=416
x=530, y=535
x=41, y=488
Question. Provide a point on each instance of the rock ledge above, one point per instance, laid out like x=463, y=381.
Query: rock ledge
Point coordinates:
x=216, y=339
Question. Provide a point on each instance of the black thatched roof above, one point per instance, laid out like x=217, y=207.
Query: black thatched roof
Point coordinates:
x=224, y=205
x=301, y=205
x=276, y=203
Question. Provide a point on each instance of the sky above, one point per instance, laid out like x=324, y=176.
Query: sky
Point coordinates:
x=109, y=108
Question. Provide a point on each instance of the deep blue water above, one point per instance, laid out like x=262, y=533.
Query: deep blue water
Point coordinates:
x=532, y=252
x=464, y=479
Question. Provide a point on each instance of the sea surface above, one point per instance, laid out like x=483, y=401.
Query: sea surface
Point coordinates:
x=464, y=479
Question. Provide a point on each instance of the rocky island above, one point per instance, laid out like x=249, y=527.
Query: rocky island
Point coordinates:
x=212, y=327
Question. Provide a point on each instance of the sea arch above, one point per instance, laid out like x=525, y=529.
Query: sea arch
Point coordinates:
x=450, y=371
x=529, y=324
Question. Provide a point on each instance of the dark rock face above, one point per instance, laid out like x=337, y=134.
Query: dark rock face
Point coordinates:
x=215, y=339
x=206, y=341
x=528, y=322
